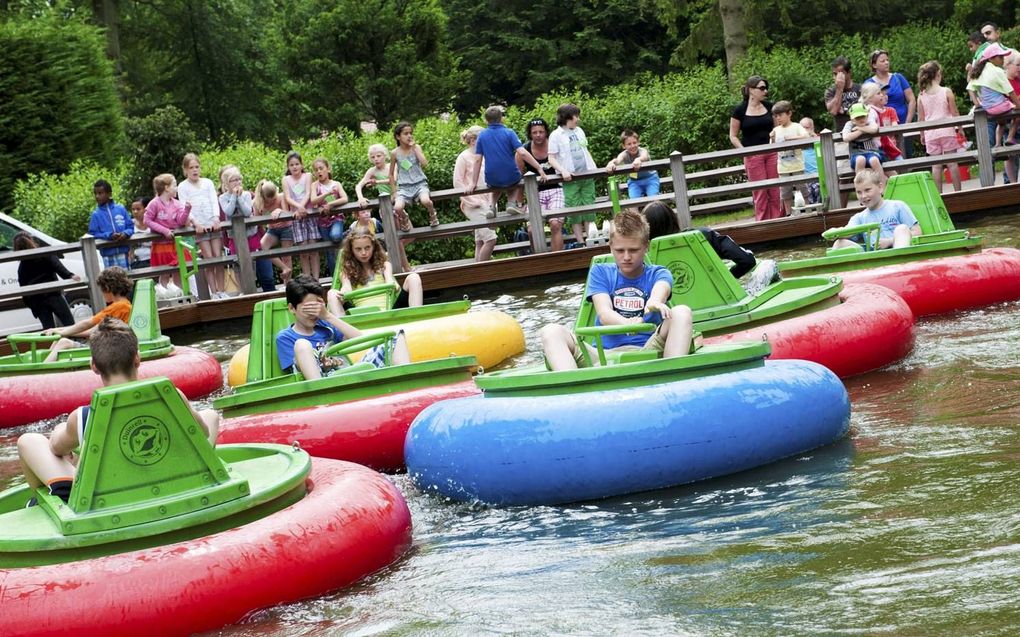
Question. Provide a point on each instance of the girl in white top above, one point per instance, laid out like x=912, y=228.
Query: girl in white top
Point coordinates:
x=200, y=192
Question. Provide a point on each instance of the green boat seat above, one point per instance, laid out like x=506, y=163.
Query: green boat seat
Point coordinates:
x=144, y=322
x=144, y=457
x=920, y=192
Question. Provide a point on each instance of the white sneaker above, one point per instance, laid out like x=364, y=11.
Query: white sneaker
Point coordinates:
x=605, y=229
x=490, y=213
x=514, y=208
x=162, y=292
x=173, y=290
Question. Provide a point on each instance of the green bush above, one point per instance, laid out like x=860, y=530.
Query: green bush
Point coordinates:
x=158, y=143
x=59, y=205
x=59, y=98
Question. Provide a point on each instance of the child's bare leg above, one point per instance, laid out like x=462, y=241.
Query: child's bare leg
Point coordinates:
x=556, y=233
x=579, y=232
x=875, y=164
x=306, y=361
x=788, y=206
x=210, y=420
x=954, y=175
x=413, y=287
x=310, y=264
x=218, y=272
x=936, y=174
x=63, y=343
x=286, y=263
x=403, y=255
x=677, y=330
x=333, y=303
x=901, y=236
x=560, y=347
x=844, y=243
x=859, y=164
x=38, y=462
x=431, y=207
x=400, y=354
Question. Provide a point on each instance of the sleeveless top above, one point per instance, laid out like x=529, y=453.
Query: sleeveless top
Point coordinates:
x=382, y=181
x=642, y=174
x=546, y=167
x=409, y=171
x=936, y=106
x=378, y=300
x=297, y=190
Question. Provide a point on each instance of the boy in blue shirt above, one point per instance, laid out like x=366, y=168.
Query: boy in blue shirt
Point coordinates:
x=626, y=291
x=110, y=221
x=498, y=146
x=899, y=225
x=300, y=346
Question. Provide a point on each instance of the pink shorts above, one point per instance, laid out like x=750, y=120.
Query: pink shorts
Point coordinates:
x=941, y=145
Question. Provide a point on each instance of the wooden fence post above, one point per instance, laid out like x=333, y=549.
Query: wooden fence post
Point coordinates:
x=535, y=214
x=389, y=224
x=682, y=203
x=830, y=170
x=986, y=163
x=90, y=261
x=245, y=266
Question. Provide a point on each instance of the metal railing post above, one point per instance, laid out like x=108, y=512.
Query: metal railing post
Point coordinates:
x=986, y=163
x=535, y=214
x=90, y=261
x=831, y=170
x=682, y=203
x=245, y=266
x=389, y=224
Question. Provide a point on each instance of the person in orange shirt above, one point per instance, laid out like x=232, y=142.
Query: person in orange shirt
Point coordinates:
x=116, y=287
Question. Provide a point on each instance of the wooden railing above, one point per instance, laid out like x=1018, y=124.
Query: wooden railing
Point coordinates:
x=717, y=195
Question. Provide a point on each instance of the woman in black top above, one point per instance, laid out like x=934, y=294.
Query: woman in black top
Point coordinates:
x=34, y=270
x=750, y=125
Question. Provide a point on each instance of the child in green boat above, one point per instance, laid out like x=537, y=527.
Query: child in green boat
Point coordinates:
x=627, y=291
x=364, y=262
x=116, y=287
x=49, y=461
x=300, y=346
x=899, y=225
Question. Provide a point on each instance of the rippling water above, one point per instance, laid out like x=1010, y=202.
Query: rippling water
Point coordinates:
x=910, y=527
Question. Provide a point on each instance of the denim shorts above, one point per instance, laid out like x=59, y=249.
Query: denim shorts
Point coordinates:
x=283, y=234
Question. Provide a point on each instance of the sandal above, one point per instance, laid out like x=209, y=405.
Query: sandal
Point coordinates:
x=433, y=220
x=403, y=222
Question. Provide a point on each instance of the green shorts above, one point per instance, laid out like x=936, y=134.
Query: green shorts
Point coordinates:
x=579, y=193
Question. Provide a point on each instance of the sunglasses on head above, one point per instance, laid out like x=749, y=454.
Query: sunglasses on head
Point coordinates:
x=536, y=122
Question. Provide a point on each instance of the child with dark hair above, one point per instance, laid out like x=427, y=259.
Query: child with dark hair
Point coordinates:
x=407, y=177
x=568, y=154
x=140, y=253
x=115, y=358
x=300, y=347
x=116, y=288
x=111, y=221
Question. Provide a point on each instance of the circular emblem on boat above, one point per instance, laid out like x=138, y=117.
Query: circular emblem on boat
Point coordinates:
x=144, y=440
x=683, y=276
x=140, y=322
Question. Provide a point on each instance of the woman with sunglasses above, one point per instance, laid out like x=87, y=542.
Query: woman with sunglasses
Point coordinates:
x=750, y=125
x=901, y=96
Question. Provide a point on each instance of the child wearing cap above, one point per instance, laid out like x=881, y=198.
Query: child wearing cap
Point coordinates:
x=991, y=87
x=791, y=161
x=859, y=132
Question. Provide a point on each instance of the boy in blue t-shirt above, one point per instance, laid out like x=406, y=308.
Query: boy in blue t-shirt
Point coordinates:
x=110, y=221
x=498, y=146
x=899, y=225
x=314, y=329
x=627, y=291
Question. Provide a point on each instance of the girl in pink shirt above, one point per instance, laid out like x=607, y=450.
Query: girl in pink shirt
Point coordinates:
x=164, y=214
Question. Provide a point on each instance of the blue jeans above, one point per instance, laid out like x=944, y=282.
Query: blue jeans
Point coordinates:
x=264, y=274
x=335, y=233
x=644, y=187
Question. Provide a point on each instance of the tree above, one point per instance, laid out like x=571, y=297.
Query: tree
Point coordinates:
x=514, y=51
x=380, y=60
x=59, y=98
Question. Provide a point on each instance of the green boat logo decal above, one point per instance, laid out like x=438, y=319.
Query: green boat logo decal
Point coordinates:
x=140, y=322
x=145, y=440
x=683, y=276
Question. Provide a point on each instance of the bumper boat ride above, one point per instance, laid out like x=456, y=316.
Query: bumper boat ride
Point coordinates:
x=359, y=413
x=636, y=424
x=809, y=318
x=432, y=331
x=163, y=534
x=32, y=389
x=943, y=270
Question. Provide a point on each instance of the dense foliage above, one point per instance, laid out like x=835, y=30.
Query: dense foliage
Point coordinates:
x=59, y=101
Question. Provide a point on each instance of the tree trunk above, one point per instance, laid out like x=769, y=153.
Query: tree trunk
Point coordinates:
x=734, y=32
x=107, y=14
